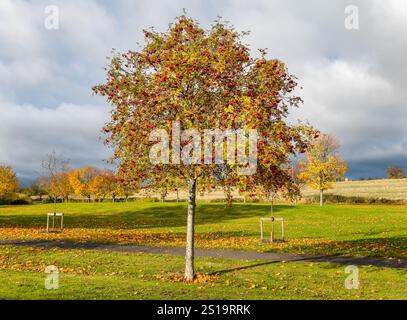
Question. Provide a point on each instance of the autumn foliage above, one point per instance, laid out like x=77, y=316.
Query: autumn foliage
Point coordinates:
x=8, y=182
x=82, y=181
x=203, y=79
x=323, y=165
x=55, y=181
x=394, y=172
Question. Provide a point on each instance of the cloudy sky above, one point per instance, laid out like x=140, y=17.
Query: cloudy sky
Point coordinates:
x=354, y=83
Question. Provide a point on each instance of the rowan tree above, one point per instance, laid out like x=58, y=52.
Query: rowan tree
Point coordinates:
x=323, y=165
x=9, y=183
x=394, y=172
x=202, y=79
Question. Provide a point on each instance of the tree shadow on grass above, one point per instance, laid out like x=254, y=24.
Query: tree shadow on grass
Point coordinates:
x=224, y=271
x=154, y=216
x=395, y=247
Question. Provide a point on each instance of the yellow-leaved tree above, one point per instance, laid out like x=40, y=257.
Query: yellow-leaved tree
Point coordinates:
x=80, y=180
x=8, y=182
x=103, y=185
x=323, y=165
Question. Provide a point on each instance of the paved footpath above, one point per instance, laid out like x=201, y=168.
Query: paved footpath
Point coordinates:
x=215, y=253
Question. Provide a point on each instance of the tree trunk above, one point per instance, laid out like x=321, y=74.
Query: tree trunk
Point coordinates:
x=272, y=206
x=321, y=198
x=189, y=254
x=177, y=195
x=228, y=193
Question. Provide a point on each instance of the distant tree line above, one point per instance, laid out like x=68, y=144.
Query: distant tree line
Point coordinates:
x=59, y=182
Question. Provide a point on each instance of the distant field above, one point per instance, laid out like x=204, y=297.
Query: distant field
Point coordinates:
x=393, y=189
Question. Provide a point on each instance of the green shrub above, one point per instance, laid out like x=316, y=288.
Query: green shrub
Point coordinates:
x=16, y=199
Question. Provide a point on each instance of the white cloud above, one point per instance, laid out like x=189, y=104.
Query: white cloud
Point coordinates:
x=354, y=81
x=28, y=133
x=358, y=106
x=19, y=28
x=25, y=72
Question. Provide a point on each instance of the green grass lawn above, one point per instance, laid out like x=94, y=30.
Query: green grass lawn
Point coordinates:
x=379, y=230
x=344, y=229
x=104, y=275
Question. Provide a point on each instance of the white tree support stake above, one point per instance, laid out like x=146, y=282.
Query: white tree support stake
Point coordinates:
x=272, y=239
x=53, y=215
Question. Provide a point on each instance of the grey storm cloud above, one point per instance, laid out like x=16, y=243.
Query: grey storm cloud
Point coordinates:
x=353, y=80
